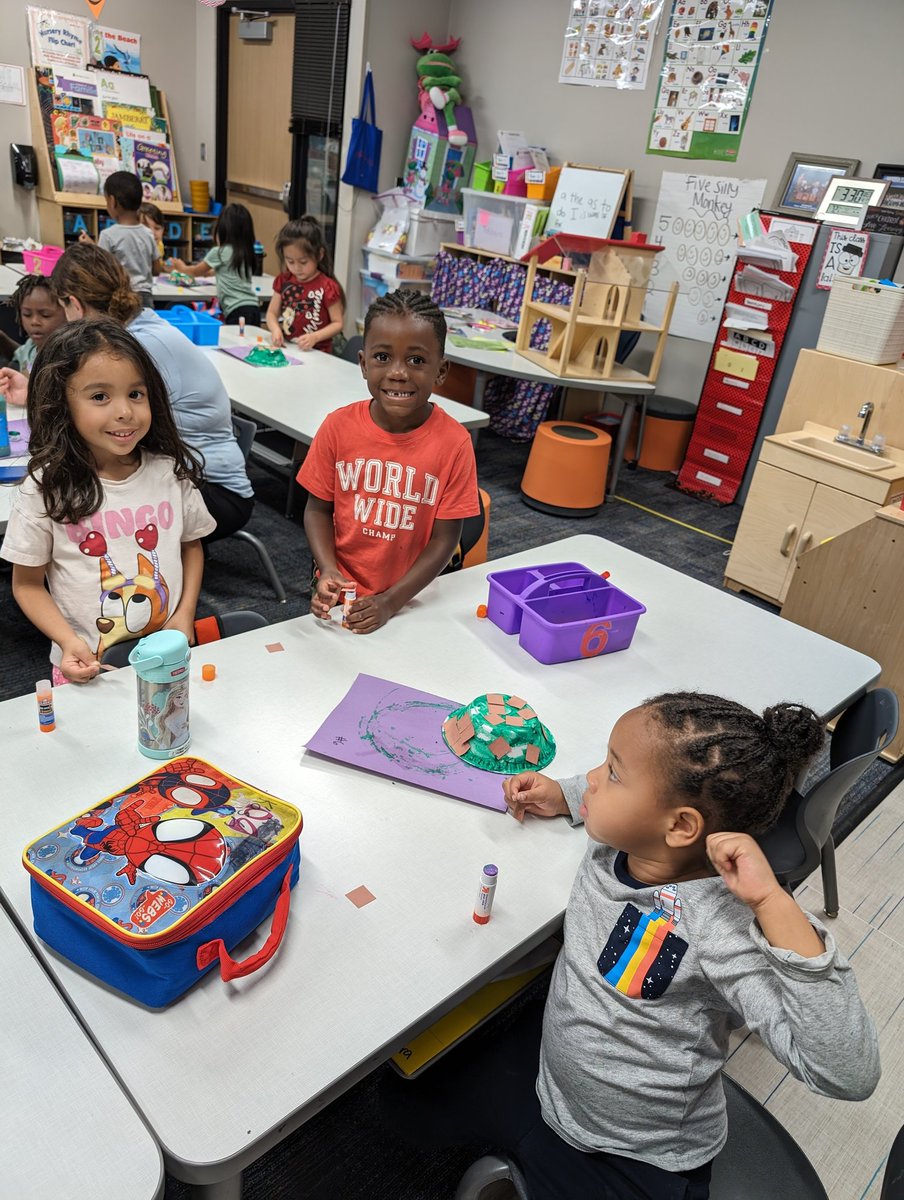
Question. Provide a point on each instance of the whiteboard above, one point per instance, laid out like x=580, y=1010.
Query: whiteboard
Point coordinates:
x=587, y=201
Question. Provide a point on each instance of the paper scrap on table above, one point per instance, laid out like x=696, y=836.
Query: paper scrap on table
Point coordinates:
x=274, y=647
x=360, y=896
x=397, y=731
x=744, y=366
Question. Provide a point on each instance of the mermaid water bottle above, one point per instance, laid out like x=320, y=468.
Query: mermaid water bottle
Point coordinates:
x=161, y=664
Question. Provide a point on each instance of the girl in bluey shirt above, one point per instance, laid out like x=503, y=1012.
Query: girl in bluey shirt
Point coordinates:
x=110, y=516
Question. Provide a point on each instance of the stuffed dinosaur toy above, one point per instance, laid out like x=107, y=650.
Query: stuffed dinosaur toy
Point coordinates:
x=438, y=84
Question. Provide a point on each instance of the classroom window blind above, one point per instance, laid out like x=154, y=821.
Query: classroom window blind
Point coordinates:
x=318, y=75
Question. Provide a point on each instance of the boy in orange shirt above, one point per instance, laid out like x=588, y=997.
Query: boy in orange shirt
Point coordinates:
x=389, y=479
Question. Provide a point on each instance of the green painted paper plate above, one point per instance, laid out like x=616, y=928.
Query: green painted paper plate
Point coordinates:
x=499, y=732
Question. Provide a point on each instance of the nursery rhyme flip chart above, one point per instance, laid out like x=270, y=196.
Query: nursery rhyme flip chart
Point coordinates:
x=712, y=53
x=609, y=45
x=697, y=220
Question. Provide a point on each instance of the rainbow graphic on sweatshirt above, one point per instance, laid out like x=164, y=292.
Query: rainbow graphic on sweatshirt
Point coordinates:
x=643, y=952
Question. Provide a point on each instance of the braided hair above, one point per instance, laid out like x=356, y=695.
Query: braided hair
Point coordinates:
x=735, y=767
x=407, y=302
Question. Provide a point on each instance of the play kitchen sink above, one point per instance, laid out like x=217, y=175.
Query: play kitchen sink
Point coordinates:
x=848, y=456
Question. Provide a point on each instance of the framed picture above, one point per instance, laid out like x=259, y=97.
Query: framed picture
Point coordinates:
x=893, y=174
x=805, y=180
x=846, y=200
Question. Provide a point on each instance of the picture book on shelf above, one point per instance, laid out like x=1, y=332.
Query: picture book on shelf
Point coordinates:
x=115, y=49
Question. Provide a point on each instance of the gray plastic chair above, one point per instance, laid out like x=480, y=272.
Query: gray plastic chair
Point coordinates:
x=232, y=623
x=802, y=839
x=351, y=348
x=244, y=434
x=893, y=1179
x=760, y=1161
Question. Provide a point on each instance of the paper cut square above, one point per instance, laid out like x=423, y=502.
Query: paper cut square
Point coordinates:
x=517, y=702
x=274, y=647
x=532, y=755
x=360, y=896
x=500, y=747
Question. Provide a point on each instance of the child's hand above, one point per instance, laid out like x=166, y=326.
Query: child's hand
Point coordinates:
x=13, y=386
x=743, y=867
x=84, y=236
x=306, y=341
x=176, y=264
x=78, y=664
x=369, y=613
x=328, y=593
x=276, y=339
x=184, y=625
x=531, y=792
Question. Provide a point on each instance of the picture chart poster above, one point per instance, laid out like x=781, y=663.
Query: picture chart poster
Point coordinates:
x=697, y=222
x=609, y=44
x=712, y=54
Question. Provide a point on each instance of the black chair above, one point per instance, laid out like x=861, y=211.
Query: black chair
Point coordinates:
x=893, y=1179
x=802, y=838
x=760, y=1161
x=351, y=348
x=241, y=621
x=244, y=434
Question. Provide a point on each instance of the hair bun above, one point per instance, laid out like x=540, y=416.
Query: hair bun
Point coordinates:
x=796, y=733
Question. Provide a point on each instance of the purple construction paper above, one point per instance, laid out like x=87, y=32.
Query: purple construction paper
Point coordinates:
x=242, y=352
x=396, y=731
x=19, y=445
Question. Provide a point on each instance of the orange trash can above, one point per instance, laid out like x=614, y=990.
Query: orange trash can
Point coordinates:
x=566, y=470
x=666, y=433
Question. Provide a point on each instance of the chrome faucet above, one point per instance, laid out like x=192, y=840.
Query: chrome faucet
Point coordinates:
x=876, y=446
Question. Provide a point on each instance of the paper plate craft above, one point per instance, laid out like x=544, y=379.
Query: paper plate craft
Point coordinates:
x=180, y=279
x=266, y=356
x=262, y=356
x=397, y=731
x=499, y=732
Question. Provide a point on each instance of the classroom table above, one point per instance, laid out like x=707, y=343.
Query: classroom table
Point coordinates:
x=8, y=490
x=349, y=986
x=632, y=392
x=68, y=1128
x=204, y=288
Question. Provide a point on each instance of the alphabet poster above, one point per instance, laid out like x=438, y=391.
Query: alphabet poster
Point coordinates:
x=697, y=222
x=609, y=44
x=845, y=255
x=712, y=53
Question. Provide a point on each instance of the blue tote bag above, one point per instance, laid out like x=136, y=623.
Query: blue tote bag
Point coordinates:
x=362, y=167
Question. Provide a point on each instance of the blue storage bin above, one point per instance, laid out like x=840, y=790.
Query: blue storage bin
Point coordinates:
x=198, y=327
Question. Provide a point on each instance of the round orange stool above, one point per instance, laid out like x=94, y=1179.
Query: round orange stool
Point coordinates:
x=666, y=433
x=566, y=471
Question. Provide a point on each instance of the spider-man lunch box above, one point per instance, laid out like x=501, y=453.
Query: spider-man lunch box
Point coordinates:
x=150, y=888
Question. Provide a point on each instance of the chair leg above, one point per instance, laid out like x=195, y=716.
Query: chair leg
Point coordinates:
x=829, y=879
x=266, y=561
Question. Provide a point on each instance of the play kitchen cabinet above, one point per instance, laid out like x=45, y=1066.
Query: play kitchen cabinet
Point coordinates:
x=805, y=489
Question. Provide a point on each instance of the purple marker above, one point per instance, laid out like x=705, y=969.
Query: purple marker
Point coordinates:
x=484, y=903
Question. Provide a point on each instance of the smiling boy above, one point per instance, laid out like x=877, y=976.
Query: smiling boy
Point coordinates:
x=390, y=479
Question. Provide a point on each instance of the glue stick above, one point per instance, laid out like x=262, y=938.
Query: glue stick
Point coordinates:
x=349, y=596
x=484, y=903
x=241, y=326
x=44, y=692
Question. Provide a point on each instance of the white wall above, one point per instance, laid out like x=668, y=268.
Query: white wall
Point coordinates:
x=177, y=52
x=830, y=83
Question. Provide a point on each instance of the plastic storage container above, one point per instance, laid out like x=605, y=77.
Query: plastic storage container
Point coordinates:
x=562, y=611
x=42, y=262
x=511, y=207
x=198, y=327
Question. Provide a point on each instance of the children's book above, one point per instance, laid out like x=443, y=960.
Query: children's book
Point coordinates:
x=116, y=50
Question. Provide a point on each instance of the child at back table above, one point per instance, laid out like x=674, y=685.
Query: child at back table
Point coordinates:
x=390, y=479
x=110, y=516
x=676, y=933
x=232, y=262
x=39, y=313
x=308, y=304
x=127, y=239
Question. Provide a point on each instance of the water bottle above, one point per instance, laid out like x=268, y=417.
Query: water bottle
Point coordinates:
x=4, y=430
x=161, y=664
x=258, y=259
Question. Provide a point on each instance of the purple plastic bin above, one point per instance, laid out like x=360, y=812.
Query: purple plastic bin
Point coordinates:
x=563, y=611
x=508, y=589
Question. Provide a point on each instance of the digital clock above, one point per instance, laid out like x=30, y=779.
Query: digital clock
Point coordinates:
x=846, y=200
x=842, y=210
x=853, y=195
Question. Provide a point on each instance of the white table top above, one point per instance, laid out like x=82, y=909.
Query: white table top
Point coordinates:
x=296, y=400
x=350, y=985
x=204, y=288
x=8, y=490
x=68, y=1128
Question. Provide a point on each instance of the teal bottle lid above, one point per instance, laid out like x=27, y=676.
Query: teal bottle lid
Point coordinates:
x=162, y=657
